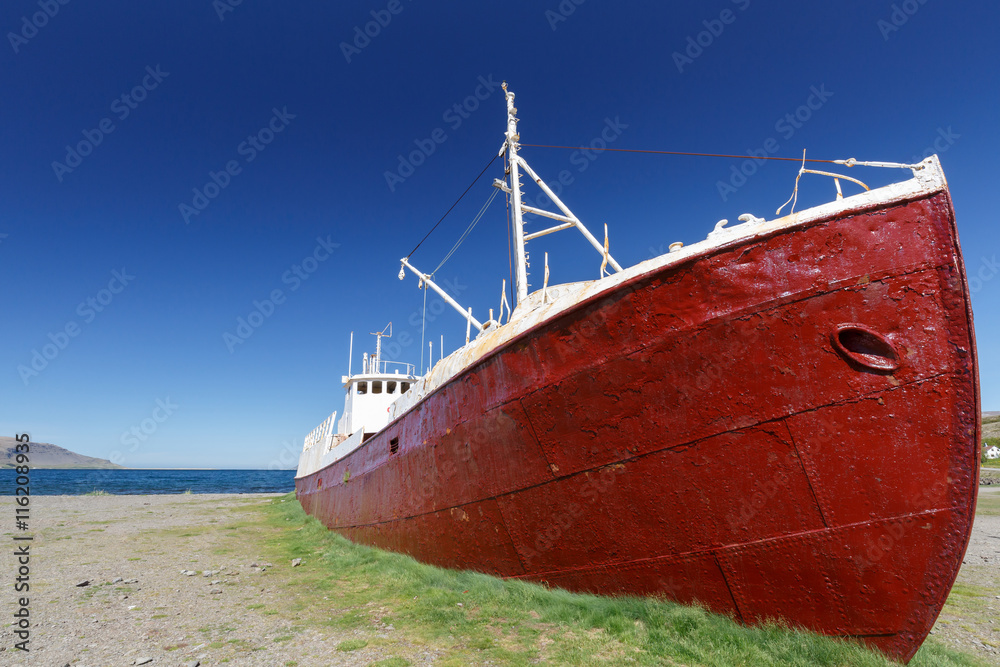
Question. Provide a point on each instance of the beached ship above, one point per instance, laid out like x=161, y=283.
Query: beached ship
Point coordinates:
x=780, y=421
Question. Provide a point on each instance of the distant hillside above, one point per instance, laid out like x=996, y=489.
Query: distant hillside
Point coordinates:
x=44, y=455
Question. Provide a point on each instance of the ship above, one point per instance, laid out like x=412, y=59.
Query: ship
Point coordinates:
x=779, y=422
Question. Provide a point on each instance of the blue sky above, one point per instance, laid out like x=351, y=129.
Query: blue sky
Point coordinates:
x=167, y=165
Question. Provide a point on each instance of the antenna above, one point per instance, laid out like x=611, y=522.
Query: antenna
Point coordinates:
x=378, y=344
x=350, y=355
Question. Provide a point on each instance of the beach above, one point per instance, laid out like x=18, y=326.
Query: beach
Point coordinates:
x=186, y=579
x=138, y=605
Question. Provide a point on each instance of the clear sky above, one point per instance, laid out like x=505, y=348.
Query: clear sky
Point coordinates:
x=170, y=167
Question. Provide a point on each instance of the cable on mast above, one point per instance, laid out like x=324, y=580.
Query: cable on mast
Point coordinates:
x=488, y=165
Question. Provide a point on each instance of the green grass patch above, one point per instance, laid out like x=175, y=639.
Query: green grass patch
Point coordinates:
x=988, y=502
x=968, y=600
x=394, y=661
x=351, y=645
x=474, y=618
x=991, y=420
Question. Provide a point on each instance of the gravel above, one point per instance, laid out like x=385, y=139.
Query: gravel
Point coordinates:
x=142, y=604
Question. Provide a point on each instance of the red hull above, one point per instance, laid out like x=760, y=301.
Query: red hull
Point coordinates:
x=722, y=430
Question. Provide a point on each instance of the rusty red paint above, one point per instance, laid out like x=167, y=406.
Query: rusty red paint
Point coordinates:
x=708, y=432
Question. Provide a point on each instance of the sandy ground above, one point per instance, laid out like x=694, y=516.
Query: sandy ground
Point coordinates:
x=139, y=606
x=971, y=623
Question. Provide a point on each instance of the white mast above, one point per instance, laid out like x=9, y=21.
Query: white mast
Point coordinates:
x=378, y=346
x=567, y=218
x=520, y=258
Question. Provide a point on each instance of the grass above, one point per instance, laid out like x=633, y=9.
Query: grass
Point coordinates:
x=352, y=587
x=988, y=504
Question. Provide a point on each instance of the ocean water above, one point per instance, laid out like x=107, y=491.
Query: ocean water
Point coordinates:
x=57, y=482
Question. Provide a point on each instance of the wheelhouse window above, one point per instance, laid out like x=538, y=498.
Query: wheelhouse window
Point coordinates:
x=362, y=387
x=376, y=386
x=390, y=387
x=404, y=387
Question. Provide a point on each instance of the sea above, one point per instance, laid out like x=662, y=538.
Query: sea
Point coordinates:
x=74, y=482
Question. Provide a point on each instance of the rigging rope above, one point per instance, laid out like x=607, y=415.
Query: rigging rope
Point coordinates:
x=453, y=206
x=635, y=150
x=465, y=234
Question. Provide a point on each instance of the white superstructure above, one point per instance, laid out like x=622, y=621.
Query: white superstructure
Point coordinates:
x=368, y=400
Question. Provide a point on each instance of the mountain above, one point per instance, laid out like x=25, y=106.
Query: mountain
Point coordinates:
x=44, y=455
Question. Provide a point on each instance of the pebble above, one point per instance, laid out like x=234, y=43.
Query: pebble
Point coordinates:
x=116, y=580
x=85, y=582
x=188, y=573
x=143, y=661
x=296, y=562
x=193, y=663
x=215, y=591
x=215, y=583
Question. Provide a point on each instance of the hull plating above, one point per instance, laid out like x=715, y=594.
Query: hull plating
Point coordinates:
x=783, y=427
